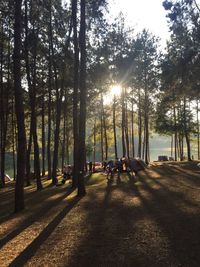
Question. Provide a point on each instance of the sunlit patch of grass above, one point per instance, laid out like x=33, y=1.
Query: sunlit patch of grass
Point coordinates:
x=96, y=179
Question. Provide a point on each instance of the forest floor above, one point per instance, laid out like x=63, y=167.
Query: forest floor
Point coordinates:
x=152, y=219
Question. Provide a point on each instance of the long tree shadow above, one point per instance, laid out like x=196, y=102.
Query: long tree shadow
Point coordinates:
x=181, y=228
x=110, y=241
x=32, y=248
x=7, y=207
x=178, y=196
x=30, y=220
x=191, y=178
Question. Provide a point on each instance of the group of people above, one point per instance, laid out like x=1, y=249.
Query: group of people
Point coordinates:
x=123, y=164
x=119, y=165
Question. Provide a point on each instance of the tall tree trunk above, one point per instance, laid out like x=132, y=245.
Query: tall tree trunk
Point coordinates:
x=94, y=147
x=144, y=141
x=43, y=136
x=2, y=115
x=146, y=122
x=102, y=148
x=19, y=107
x=67, y=144
x=64, y=130
x=198, y=134
x=187, y=138
x=126, y=129
x=175, y=134
x=114, y=127
x=172, y=145
x=139, y=125
x=83, y=94
x=59, y=96
x=49, y=114
x=32, y=98
x=75, y=93
x=123, y=125
x=13, y=139
x=104, y=129
x=56, y=137
x=132, y=131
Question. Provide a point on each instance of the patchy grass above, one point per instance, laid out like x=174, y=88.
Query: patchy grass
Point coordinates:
x=149, y=220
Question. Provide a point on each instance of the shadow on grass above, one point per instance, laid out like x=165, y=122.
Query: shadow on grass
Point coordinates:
x=30, y=220
x=32, y=248
x=109, y=241
x=37, y=197
x=114, y=227
x=192, y=179
x=181, y=227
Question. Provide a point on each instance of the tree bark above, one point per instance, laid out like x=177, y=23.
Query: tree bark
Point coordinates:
x=94, y=147
x=43, y=135
x=126, y=129
x=32, y=98
x=132, y=131
x=198, y=135
x=49, y=114
x=75, y=94
x=139, y=125
x=19, y=109
x=123, y=125
x=114, y=127
x=104, y=129
x=187, y=138
x=102, y=148
x=83, y=94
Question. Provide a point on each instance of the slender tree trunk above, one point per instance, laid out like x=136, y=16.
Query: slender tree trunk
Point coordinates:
x=2, y=115
x=13, y=140
x=5, y=108
x=102, y=149
x=198, y=134
x=43, y=136
x=187, y=138
x=132, y=131
x=64, y=131
x=123, y=125
x=75, y=93
x=175, y=134
x=94, y=150
x=67, y=145
x=139, y=125
x=56, y=138
x=21, y=134
x=114, y=127
x=172, y=145
x=59, y=96
x=83, y=94
x=28, y=153
x=34, y=117
x=32, y=97
x=104, y=129
x=144, y=141
x=126, y=131
x=146, y=122
x=49, y=115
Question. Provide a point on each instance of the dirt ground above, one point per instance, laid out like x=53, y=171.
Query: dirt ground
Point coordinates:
x=152, y=219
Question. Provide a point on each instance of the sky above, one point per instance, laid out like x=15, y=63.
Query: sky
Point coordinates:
x=140, y=14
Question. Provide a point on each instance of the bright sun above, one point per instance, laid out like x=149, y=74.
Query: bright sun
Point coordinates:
x=116, y=90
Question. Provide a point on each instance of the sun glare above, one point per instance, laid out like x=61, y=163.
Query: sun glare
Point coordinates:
x=116, y=90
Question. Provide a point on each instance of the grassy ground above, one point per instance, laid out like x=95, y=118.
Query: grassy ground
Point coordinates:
x=149, y=220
